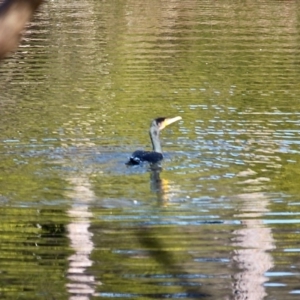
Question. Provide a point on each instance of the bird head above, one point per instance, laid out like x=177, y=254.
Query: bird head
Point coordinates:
x=161, y=123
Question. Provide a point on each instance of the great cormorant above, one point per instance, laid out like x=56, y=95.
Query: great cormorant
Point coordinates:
x=154, y=156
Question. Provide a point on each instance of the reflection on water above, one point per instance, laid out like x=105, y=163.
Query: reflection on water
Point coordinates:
x=81, y=284
x=219, y=220
x=162, y=187
x=254, y=241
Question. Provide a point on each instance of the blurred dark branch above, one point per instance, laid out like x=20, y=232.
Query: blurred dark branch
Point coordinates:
x=172, y=266
x=14, y=14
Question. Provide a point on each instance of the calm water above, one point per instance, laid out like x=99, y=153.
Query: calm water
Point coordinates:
x=220, y=220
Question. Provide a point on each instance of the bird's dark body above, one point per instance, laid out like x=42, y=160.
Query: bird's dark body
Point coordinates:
x=155, y=156
x=140, y=156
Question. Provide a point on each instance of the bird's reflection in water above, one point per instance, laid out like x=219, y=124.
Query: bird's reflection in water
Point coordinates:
x=159, y=185
x=150, y=239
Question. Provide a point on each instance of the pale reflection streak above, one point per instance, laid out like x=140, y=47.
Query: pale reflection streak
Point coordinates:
x=255, y=239
x=81, y=285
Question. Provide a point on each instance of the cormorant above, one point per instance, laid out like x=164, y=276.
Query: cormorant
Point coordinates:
x=154, y=156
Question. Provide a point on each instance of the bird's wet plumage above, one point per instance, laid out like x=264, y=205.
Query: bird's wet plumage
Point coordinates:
x=140, y=156
x=154, y=156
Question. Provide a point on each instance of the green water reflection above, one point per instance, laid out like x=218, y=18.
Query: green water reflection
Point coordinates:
x=221, y=218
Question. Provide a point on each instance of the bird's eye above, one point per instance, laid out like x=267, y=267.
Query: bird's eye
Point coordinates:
x=159, y=121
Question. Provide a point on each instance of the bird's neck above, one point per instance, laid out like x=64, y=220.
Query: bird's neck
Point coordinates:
x=154, y=135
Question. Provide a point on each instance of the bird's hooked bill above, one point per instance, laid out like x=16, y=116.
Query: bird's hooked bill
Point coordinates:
x=169, y=121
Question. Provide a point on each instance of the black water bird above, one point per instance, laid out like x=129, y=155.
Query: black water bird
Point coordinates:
x=154, y=156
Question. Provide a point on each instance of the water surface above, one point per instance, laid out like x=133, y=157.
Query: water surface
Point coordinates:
x=219, y=220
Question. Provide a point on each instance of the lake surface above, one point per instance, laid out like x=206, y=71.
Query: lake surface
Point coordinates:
x=219, y=220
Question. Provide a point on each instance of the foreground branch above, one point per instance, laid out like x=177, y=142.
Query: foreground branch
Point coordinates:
x=14, y=14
